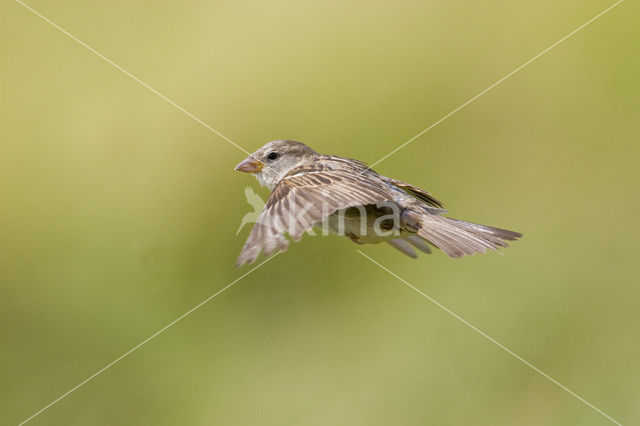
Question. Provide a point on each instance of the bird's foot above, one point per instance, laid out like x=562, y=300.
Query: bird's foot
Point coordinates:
x=353, y=238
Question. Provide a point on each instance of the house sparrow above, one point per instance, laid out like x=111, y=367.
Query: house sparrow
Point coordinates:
x=349, y=199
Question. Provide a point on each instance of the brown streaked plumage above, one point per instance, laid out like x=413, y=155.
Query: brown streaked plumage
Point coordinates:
x=310, y=188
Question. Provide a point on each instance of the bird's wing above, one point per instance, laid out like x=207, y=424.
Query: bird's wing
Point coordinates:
x=305, y=197
x=416, y=192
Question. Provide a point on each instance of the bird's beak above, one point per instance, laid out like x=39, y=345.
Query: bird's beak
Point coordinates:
x=249, y=165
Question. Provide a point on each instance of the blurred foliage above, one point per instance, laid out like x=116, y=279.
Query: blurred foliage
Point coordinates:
x=118, y=213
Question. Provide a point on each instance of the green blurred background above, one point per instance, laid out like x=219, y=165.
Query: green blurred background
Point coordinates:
x=118, y=213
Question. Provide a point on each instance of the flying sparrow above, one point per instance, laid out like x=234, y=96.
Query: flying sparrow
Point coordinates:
x=348, y=198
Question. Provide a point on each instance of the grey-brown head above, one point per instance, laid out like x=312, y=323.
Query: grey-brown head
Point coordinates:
x=275, y=159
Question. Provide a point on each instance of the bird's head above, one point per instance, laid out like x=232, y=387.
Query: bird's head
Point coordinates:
x=273, y=161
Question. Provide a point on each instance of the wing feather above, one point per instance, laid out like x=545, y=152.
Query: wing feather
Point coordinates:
x=416, y=192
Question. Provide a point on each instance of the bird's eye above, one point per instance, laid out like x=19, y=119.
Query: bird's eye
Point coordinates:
x=272, y=155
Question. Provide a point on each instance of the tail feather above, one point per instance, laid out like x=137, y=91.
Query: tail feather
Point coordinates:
x=418, y=242
x=498, y=232
x=407, y=243
x=457, y=238
x=403, y=246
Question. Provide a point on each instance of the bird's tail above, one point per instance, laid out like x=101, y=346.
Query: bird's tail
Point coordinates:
x=457, y=238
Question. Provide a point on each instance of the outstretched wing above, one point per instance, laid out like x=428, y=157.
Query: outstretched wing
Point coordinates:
x=306, y=197
x=416, y=192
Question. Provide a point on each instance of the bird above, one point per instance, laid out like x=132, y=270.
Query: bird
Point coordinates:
x=348, y=198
